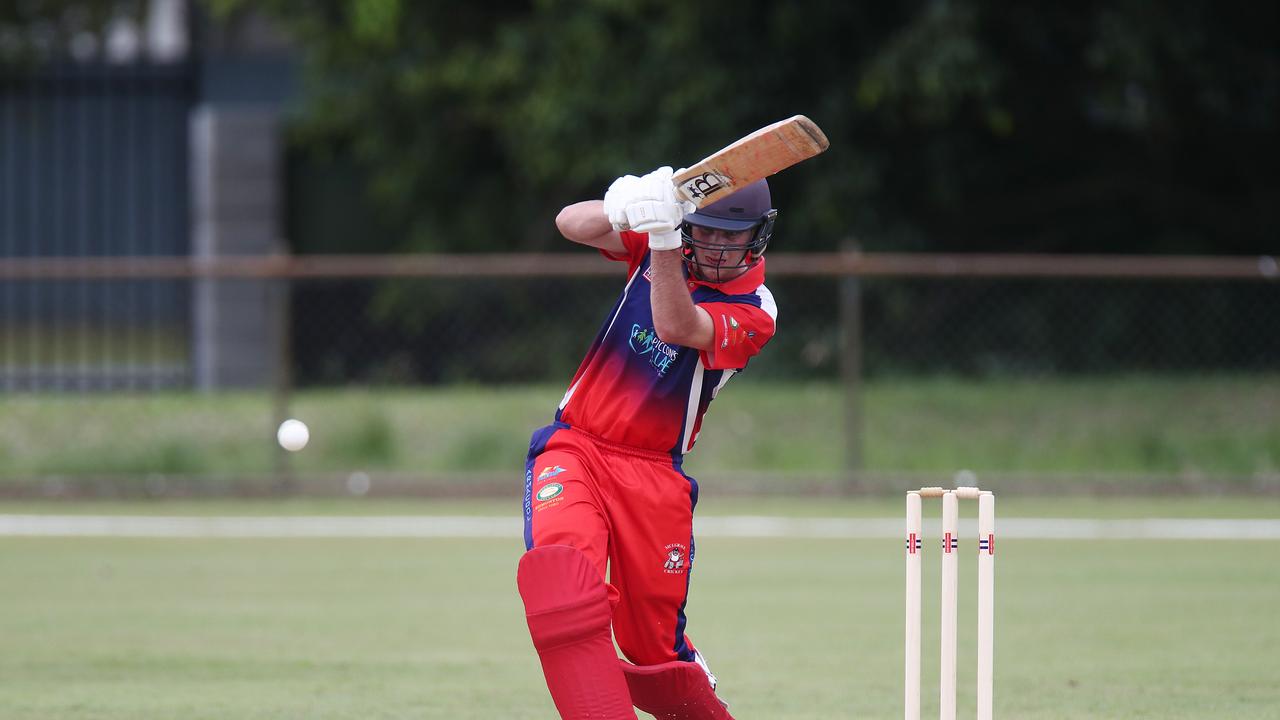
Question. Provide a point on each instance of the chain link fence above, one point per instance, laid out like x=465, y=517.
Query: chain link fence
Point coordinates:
x=430, y=379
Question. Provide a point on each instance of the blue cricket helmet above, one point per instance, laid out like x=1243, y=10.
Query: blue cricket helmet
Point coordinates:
x=750, y=208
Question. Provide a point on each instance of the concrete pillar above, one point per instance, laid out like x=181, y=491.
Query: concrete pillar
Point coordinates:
x=236, y=210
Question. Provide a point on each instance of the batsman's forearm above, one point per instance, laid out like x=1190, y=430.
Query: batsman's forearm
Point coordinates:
x=676, y=319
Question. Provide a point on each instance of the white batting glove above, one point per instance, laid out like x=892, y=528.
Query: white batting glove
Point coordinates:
x=654, y=209
x=616, y=199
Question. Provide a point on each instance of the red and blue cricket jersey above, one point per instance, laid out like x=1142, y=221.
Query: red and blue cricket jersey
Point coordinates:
x=607, y=478
x=634, y=389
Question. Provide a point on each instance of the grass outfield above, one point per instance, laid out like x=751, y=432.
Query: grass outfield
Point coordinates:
x=1188, y=426
x=137, y=628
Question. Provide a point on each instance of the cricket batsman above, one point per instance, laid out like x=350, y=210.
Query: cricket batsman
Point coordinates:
x=608, y=509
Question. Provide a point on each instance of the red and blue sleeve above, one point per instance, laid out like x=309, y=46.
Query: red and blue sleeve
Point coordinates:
x=741, y=330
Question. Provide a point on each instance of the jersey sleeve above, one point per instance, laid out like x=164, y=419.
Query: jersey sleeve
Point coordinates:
x=636, y=244
x=741, y=330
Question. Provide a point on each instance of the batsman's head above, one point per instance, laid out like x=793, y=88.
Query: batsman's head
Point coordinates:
x=725, y=238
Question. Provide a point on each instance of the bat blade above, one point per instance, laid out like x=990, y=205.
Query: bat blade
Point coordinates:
x=764, y=152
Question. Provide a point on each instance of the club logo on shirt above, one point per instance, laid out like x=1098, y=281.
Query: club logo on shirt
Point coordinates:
x=550, y=472
x=644, y=341
x=677, y=555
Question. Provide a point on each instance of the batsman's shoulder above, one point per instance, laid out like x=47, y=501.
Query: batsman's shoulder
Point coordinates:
x=767, y=303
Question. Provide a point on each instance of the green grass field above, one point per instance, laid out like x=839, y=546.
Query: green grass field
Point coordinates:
x=1227, y=426
x=151, y=628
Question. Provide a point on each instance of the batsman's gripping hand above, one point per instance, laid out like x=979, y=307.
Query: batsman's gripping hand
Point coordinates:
x=616, y=199
x=655, y=209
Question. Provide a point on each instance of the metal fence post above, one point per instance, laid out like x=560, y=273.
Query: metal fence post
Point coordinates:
x=850, y=303
x=282, y=380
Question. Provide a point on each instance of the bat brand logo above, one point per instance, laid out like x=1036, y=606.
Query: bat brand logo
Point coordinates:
x=704, y=185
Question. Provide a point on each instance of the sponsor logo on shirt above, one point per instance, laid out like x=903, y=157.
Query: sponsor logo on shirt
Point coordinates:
x=549, y=496
x=528, y=496
x=733, y=333
x=645, y=342
x=549, y=472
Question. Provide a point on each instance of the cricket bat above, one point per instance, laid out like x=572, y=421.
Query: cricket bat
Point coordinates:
x=764, y=152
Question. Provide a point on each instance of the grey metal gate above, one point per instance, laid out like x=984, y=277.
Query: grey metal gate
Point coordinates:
x=94, y=162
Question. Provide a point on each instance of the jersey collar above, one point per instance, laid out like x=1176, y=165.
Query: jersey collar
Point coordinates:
x=745, y=283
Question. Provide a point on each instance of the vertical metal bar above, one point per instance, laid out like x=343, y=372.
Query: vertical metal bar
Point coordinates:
x=180, y=115
x=9, y=196
x=950, y=593
x=132, y=148
x=850, y=290
x=914, y=549
x=108, y=239
x=34, y=230
x=82, y=217
x=986, y=603
x=152, y=94
x=57, y=201
x=163, y=194
x=280, y=291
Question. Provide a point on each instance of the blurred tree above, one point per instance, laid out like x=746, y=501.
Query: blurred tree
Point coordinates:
x=956, y=125
x=1103, y=125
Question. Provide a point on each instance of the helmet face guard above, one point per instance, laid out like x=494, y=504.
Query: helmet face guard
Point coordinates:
x=747, y=253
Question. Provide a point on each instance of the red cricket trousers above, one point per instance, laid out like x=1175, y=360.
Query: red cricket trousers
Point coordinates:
x=630, y=511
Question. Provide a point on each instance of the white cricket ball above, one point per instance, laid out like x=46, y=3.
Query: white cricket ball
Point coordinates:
x=293, y=435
